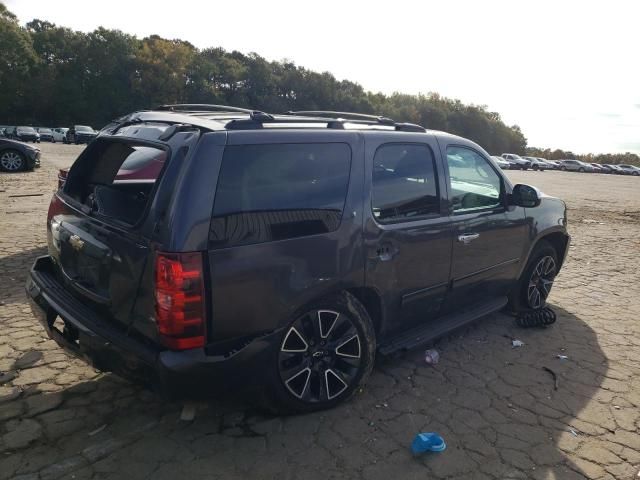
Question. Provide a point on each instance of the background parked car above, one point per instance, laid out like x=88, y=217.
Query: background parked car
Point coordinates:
x=516, y=161
x=46, y=134
x=16, y=156
x=24, y=134
x=59, y=134
x=575, y=166
x=80, y=134
x=550, y=164
x=502, y=163
x=615, y=169
x=537, y=164
x=630, y=169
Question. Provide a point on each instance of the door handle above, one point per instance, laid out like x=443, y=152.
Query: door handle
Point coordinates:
x=386, y=252
x=467, y=238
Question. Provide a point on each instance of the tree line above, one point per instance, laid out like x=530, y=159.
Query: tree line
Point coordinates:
x=55, y=76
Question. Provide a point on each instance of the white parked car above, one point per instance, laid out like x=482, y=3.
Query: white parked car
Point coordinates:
x=59, y=134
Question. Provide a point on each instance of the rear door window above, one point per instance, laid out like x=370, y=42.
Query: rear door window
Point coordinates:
x=275, y=192
x=404, y=183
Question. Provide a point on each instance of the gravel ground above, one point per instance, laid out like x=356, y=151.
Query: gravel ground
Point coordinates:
x=495, y=405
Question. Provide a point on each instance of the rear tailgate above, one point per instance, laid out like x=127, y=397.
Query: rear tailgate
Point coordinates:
x=97, y=233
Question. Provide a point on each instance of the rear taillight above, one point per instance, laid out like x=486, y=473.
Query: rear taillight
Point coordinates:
x=56, y=206
x=180, y=300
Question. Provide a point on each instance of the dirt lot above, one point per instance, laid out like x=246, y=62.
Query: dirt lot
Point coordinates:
x=495, y=405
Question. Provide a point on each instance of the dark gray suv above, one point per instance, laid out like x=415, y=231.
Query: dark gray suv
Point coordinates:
x=198, y=248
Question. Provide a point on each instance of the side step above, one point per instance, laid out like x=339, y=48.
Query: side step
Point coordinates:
x=425, y=333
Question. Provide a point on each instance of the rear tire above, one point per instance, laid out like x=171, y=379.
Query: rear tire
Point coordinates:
x=535, y=283
x=323, y=357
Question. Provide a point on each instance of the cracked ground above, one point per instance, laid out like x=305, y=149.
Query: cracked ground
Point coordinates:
x=495, y=405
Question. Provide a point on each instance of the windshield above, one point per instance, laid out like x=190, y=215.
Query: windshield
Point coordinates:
x=83, y=128
x=26, y=130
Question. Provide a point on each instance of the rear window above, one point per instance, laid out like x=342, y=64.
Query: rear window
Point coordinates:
x=275, y=192
x=115, y=179
x=83, y=128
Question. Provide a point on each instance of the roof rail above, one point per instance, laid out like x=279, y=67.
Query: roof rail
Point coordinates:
x=343, y=115
x=361, y=118
x=198, y=109
x=202, y=107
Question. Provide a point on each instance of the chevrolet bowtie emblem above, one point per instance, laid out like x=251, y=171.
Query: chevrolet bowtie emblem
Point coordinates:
x=76, y=242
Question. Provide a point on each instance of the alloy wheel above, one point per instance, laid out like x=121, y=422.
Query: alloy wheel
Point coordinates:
x=11, y=161
x=541, y=282
x=320, y=356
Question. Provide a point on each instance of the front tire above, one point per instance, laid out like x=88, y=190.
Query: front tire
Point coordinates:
x=581, y=170
x=12, y=161
x=324, y=356
x=535, y=283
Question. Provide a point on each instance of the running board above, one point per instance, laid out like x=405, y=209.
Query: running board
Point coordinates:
x=426, y=333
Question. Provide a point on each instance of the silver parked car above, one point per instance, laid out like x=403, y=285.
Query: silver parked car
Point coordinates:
x=516, y=161
x=575, y=166
x=537, y=164
x=629, y=169
x=502, y=163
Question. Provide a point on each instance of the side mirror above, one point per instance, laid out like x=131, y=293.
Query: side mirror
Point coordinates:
x=525, y=196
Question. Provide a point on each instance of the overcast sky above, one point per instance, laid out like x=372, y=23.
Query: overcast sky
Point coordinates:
x=567, y=72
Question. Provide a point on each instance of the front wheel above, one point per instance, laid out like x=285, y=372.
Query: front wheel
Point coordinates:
x=581, y=170
x=325, y=354
x=12, y=161
x=534, y=285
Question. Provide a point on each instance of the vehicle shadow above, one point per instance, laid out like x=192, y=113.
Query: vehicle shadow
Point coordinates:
x=495, y=405
x=13, y=273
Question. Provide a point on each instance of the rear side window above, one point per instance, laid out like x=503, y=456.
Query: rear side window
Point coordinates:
x=275, y=192
x=115, y=179
x=404, y=183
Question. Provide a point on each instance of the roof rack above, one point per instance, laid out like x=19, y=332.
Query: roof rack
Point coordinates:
x=362, y=118
x=202, y=107
x=324, y=117
x=342, y=115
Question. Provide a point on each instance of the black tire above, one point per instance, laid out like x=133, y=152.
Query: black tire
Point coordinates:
x=563, y=168
x=535, y=167
x=581, y=169
x=12, y=161
x=315, y=375
x=519, y=300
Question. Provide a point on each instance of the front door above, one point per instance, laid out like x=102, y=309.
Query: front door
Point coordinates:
x=407, y=233
x=489, y=236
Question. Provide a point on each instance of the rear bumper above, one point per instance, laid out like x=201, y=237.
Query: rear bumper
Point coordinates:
x=86, y=335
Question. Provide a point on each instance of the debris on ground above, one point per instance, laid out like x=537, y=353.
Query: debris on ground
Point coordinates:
x=553, y=374
x=97, y=430
x=428, y=442
x=573, y=432
x=562, y=357
x=515, y=343
x=188, y=412
x=431, y=357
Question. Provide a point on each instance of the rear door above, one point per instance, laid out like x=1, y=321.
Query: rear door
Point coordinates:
x=488, y=235
x=407, y=232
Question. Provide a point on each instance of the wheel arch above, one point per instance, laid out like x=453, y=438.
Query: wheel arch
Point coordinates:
x=372, y=303
x=559, y=240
